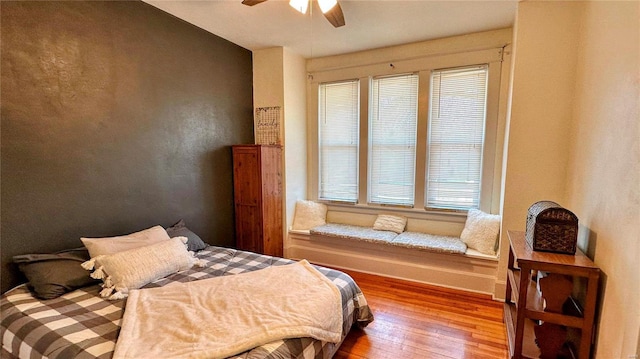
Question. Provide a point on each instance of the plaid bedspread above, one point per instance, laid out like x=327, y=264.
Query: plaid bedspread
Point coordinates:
x=80, y=324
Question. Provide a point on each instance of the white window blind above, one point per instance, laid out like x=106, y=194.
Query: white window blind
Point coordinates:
x=392, y=139
x=338, y=117
x=456, y=137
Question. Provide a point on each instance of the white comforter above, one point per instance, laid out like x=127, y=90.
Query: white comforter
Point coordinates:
x=223, y=316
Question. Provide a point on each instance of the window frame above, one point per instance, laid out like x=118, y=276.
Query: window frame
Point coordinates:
x=423, y=66
x=370, y=195
x=357, y=145
x=429, y=153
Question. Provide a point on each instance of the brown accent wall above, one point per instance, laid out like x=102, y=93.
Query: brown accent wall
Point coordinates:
x=115, y=117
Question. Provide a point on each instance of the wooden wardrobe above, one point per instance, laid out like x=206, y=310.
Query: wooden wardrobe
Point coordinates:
x=257, y=184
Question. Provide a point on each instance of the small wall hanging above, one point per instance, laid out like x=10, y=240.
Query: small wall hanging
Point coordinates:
x=268, y=126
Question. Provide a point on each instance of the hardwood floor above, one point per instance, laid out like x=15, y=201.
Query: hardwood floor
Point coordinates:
x=420, y=321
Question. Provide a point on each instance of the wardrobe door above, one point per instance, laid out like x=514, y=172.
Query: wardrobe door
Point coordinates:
x=247, y=198
x=258, y=197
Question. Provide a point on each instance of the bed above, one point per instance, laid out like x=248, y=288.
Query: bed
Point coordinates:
x=82, y=324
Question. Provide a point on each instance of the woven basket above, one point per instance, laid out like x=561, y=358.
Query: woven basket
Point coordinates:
x=551, y=228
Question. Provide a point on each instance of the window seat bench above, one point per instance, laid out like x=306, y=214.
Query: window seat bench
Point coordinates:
x=415, y=256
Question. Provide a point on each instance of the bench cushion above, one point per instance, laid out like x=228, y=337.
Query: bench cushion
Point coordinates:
x=360, y=233
x=415, y=240
x=431, y=242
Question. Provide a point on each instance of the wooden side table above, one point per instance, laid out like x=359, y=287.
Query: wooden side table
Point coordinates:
x=524, y=307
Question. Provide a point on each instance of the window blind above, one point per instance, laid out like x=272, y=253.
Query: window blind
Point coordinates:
x=392, y=140
x=338, y=117
x=456, y=137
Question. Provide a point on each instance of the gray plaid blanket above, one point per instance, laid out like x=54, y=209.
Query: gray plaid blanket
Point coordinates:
x=80, y=324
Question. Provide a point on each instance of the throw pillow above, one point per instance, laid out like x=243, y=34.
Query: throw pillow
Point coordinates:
x=388, y=222
x=52, y=275
x=180, y=229
x=481, y=231
x=110, y=245
x=309, y=214
x=132, y=269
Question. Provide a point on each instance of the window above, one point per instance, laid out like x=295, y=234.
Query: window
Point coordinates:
x=392, y=139
x=456, y=137
x=338, y=122
x=421, y=134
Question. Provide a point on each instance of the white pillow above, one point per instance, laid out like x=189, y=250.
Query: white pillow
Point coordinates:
x=387, y=222
x=111, y=245
x=136, y=267
x=481, y=231
x=309, y=214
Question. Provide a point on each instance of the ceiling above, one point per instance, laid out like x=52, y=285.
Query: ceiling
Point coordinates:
x=369, y=23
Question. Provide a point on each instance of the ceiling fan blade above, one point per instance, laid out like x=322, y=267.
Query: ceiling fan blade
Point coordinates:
x=335, y=16
x=252, y=2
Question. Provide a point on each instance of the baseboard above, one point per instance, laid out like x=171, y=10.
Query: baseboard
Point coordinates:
x=500, y=290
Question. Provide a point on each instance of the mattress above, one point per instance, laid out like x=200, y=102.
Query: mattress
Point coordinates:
x=81, y=324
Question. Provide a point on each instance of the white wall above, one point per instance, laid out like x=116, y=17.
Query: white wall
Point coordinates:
x=543, y=76
x=536, y=144
x=268, y=77
x=279, y=79
x=295, y=132
x=573, y=138
x=603, y=187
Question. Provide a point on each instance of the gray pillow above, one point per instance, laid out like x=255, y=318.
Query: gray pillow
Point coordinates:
x=180, y=229
x=52, y=275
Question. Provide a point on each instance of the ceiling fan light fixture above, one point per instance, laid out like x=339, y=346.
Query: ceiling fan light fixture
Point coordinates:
x=330, y=9
x=326, y=5
x=300, y=5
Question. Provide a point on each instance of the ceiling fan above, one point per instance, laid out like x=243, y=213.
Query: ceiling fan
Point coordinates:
x=330, y=9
